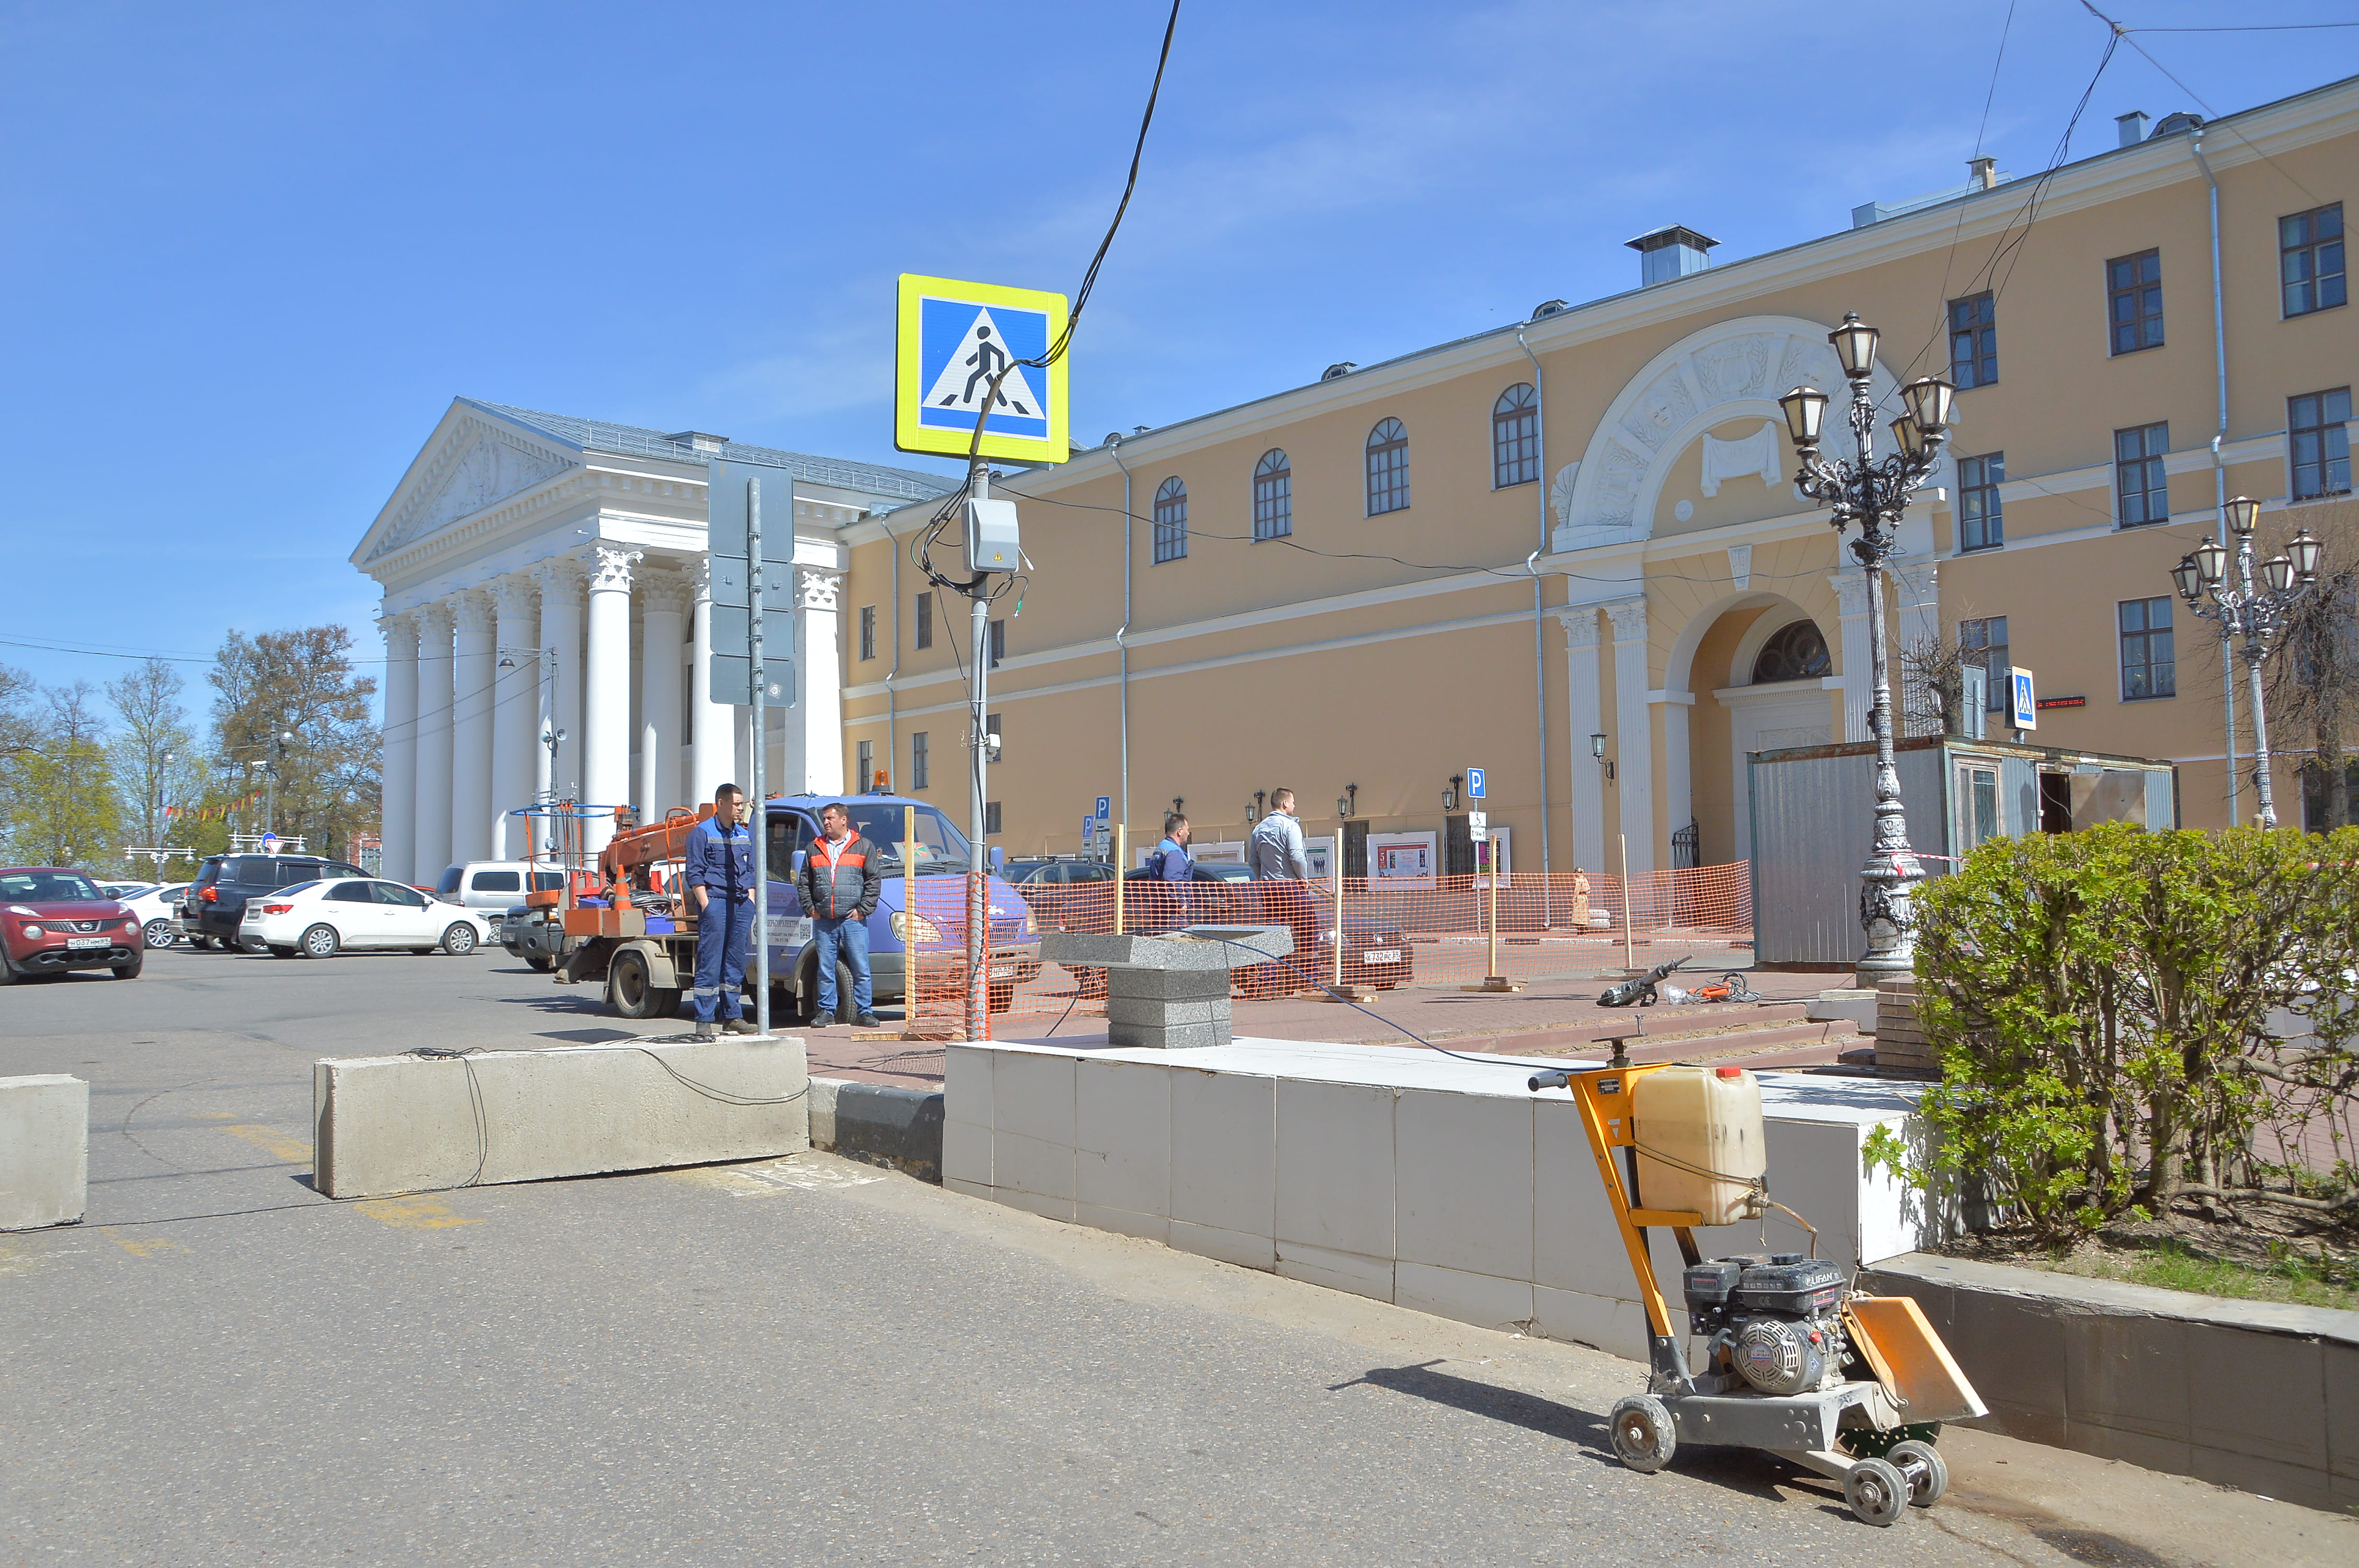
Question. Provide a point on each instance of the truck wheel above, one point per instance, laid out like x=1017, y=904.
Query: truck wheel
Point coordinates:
x=630, y=991
x=537, y=961
x=807, y=1011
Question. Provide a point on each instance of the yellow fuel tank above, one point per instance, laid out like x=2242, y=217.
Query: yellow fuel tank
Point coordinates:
x=1700, y=1141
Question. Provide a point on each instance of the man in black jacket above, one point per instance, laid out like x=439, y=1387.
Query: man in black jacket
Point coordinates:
x=839, y=885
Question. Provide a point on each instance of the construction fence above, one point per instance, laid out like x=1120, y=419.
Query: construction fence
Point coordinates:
x=1435, y=932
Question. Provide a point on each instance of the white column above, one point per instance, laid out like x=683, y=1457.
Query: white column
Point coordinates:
x=516, y=719
x=664, y=604
x=812, y=741
x=560, y=583
x=1679, y=797
x=1859, y=682
x=431, y=852
x=397, y=829
x=473, y=697
x=1585, y=716
x=1634, y=742
x=607, y=687
x=712, y=739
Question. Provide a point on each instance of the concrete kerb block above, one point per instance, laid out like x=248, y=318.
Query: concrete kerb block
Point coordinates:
x=1166, y=985
x=882, y=1124
x=1169, y=1036
x=1149, y=1011
x=44, y=1151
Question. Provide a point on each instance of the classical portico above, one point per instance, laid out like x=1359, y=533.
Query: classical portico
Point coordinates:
x=547, y=618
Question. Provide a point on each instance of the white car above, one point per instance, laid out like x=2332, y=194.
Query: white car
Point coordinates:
x=319, y=920
x=158, y=913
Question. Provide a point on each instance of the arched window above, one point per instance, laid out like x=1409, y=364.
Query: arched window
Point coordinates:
x=1170, y=520
x=1387, y=468
x=1273, y=496
x=1796, y=652
x=1515, y=437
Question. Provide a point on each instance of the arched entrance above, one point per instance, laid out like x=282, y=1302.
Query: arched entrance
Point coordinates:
x=1757, y=674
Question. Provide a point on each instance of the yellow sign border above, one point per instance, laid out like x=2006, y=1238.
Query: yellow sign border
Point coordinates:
x=909, y=390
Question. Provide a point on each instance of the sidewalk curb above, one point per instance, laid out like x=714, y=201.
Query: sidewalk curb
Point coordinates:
x=879, y=1124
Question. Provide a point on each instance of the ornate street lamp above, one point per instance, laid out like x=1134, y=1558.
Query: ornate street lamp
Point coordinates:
x=1873, y=491
x=2254, y=606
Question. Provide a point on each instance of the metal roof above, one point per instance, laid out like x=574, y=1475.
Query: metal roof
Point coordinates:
x=905, y=484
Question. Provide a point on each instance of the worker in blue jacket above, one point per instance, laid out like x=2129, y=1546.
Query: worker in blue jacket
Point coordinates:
x=720, y=872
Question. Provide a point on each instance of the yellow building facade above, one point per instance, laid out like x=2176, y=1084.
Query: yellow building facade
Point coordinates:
x=1486, y=553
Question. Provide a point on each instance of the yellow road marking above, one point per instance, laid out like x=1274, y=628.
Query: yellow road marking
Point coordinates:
x=273, y=1142
x=218, y=1115
x=770, y=1178
x=140, y=1246
x=412, y=1214
x=16, y=1260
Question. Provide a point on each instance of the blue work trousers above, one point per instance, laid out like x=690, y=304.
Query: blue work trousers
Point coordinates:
x=724, y=941
x=848, y=936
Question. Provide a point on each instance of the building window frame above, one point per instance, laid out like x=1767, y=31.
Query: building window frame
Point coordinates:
x=1982, y=516
x=926, y=620
x=1388, y=463
x=2145, y=649
x=1973, y=341
x=1516, y=437
x=997, y=642
x=2141, y=487
x=991, y=727
x=1171, y=520
x=864, y=764
x=867, y=631
x=2318, y=444
x=2310, y=275
x=991, y=819
x=2134, y=302
x=1986, y=635
x=1273, y=495
x=921, y=760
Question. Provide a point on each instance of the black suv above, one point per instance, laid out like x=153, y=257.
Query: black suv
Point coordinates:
x=215, y=903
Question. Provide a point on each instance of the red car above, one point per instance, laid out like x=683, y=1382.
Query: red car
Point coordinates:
x=53, y=921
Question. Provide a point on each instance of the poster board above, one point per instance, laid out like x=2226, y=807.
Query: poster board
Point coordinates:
x=1501, y=852
x=1322, y=858
x=1403, y=860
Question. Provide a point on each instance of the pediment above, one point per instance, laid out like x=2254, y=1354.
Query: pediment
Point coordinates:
x=473, y=464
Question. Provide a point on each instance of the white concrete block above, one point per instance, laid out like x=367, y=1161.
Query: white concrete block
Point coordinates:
x=971, y=1189
x=1370, y=1277
x=1464, y=1193
x=1223, y=1154
x=966, y=1084
x=1033, y=1166
x=1335, y=1166
x=1123, y=1222
x=44, y=1151
x=1469, y=1298
x=1227, y=1246
x=966, y=1153
x=1032, y=1203
x=1607, y=1323
x=1033, y=1094
x=823, y=1112
x=1122, y=1120
x=399, y=1124
x=1575, y=1244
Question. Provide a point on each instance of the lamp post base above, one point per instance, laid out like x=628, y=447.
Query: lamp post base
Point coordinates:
x=1887, y=888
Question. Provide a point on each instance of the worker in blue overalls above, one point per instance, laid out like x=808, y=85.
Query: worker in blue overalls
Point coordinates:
x=719, y=874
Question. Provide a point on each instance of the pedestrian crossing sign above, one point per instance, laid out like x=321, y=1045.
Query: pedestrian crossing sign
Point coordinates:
x=954, y=338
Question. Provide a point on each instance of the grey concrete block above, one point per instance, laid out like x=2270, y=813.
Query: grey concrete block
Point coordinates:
x=2127, y=1374
x=2013, y=1351
x=2312, y=1487
x=1166, y=985
x=2342, y=1383
x=1247, y=945
x=1094, y=948
x=1139, y=1009
x=44, y=1151
x=401, y=1124
x=2257, y=1394
x=1855, y=1006
x=822, y=1111
x=886, y=1125
x=1167, y=1037
x=2171, y=1457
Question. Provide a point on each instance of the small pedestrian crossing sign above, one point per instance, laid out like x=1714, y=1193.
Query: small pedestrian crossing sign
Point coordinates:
x=956, y=341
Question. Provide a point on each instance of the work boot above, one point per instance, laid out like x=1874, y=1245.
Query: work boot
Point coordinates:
x=866, y=1020
x=742, y=1027
x=706, y=1031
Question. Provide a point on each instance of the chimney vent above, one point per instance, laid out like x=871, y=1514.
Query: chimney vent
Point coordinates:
x=1982, y=173
x=697, y=440
x=1668, y=253
x=2131, y=127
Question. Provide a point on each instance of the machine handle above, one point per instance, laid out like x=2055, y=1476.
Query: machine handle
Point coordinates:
x=1549, y=1080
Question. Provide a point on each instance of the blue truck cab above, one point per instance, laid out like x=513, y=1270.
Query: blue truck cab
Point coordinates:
x=792, y=827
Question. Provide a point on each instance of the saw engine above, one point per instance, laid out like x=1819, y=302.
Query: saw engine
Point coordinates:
x=1775, y=1322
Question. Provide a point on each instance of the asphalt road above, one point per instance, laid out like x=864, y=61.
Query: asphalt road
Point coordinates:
x=802, y=1360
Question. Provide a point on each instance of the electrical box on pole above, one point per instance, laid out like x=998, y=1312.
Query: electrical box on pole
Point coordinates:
x=991, y=540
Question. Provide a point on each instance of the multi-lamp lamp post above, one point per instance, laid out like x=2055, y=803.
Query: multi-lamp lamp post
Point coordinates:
x=2256, y=611
x=1873, y=491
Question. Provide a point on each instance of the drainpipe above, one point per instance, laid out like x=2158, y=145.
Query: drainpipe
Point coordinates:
x=892, y=696
x=1114, y=445
x=1539, y=646
x=2219, y=466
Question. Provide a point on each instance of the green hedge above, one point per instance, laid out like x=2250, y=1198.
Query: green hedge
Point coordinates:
x=2100, y=1001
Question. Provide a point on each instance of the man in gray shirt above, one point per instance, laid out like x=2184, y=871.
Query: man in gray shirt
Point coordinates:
x=1280, y=863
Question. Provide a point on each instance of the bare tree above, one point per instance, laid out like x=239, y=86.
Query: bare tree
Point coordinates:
x=301, y=683
x=2313, y=682
x=154, y=748
x=1932, y=686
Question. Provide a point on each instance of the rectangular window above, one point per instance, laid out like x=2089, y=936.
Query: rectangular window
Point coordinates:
x=991, y=727
x=865, y=771
x=1983, y=642
x=919, y=774
x=1980, y=524
x=2318, y=429
x=2133, y=301
x=998, y=642
x=2309, y=260
x=2147, y=662
x=991, y=818
x=1973, y=341
x=867, y=631
x=925, y=621
x=2137, y=474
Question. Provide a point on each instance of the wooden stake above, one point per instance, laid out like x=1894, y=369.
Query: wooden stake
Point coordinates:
x=1494, y=981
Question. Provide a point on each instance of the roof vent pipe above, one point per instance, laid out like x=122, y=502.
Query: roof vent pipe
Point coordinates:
x=2132, y=127
x=1982, y=173
x=1668, y=253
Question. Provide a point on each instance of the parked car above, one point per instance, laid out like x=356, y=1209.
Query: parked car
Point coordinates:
x=53, y=921
x=1066, y=895
x=321, y=919
x=213, y=909
x=495, y=885
x=157, y=909
x=123, y=892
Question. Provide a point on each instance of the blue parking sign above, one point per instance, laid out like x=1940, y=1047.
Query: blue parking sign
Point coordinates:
x=1475, y=781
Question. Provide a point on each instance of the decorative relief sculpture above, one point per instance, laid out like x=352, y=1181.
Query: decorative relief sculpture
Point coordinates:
x=482, y=467
x=1758, y=454
x=610, y=571
x=1561, y=492
x=819, y=588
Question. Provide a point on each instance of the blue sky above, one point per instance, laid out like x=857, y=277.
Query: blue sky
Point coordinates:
x=253, y=250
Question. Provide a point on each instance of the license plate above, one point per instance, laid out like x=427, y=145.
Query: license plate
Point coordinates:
x=1381, y=955
x=1003, y=971
x=88, y=942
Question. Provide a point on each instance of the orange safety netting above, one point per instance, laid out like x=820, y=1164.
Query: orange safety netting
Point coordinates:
x=1436, y=932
